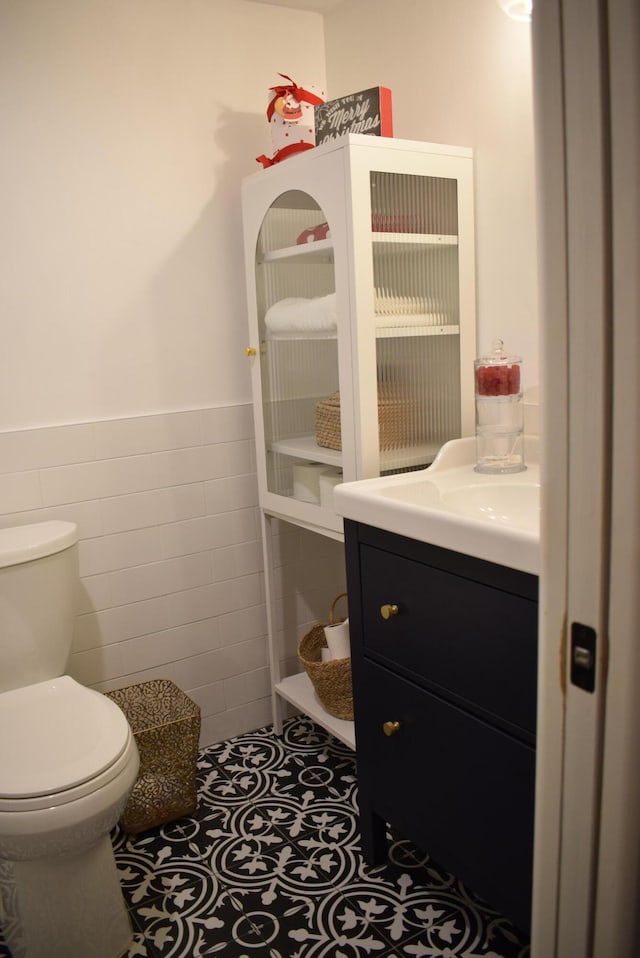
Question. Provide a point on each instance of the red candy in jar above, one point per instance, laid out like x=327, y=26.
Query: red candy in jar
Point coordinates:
x=497, y=374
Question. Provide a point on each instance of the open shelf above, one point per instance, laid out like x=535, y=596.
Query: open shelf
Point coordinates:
x=306, y=447
x=414, y=239
x=387, y=327
x=404, y=326
x=322, y=249
x=298, y=690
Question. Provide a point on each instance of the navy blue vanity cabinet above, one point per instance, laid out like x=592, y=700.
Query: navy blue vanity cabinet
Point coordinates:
x=444, y=654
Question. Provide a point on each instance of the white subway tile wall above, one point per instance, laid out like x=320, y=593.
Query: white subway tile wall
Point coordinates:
x=170, y=555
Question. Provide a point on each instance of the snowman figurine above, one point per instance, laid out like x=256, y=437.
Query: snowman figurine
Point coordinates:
x=291, y=117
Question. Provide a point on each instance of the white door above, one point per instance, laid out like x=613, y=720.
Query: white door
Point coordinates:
x=588, y=791
x=617, y=889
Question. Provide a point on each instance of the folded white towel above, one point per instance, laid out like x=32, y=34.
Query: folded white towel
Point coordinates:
x=387, y=304
x=302, y=315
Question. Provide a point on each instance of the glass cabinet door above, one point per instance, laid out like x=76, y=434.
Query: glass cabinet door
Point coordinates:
x=414, y=221
x=361, y=296
x=297, y=324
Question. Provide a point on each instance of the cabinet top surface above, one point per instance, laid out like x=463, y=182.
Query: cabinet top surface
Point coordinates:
x=363, y=141
x=491, y=517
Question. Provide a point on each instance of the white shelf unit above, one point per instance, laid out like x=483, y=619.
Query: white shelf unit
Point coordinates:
x=381, y=311
x=306, y=447
x=298, y=690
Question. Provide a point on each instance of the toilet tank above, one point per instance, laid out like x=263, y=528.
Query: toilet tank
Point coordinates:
x=38, y=595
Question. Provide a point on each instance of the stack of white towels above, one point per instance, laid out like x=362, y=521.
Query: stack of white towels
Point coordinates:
x=300, y=315
x=317, y=316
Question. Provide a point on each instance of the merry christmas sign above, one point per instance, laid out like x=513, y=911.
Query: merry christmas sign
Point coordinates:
x=366, y=112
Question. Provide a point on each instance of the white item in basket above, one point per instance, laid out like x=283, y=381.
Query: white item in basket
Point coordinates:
x=337, y=637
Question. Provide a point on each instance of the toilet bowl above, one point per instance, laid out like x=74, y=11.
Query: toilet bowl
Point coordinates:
x=68, y=761
x=60, y=890
x=81, y=762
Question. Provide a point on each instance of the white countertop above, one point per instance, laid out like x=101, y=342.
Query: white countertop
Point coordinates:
x=492, y=517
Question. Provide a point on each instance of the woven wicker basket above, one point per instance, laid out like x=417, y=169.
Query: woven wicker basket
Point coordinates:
x=392, y=420
x=166, y=726
x=331, y=680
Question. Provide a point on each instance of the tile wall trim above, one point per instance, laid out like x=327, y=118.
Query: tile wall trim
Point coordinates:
x=170, y=555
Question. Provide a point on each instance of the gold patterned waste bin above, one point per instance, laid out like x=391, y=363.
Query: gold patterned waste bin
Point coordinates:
x=166, y=725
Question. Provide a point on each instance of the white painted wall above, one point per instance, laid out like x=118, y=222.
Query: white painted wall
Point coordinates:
x=460, y=72
x=126, y=128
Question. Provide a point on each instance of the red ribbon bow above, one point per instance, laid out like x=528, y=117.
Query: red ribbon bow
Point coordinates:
x=300, y=94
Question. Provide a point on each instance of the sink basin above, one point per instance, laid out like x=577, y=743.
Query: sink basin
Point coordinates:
x=492, y=517
x=512, y=506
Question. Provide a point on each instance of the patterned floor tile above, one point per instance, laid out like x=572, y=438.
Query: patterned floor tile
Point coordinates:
x=403, y=911
x=194, y=919
x=269, y=866
x=425, y=911
x=151, y=864
x=295, y=924
x=261, y=763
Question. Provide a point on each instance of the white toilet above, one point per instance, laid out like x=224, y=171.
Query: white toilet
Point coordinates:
x=68, y=761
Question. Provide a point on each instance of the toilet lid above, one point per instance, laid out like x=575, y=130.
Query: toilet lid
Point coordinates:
x=55, y=735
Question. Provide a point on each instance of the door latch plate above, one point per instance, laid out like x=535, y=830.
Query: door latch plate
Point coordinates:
x=583, y=656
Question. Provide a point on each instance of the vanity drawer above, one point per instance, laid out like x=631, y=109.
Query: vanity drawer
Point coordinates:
x=461, y=789
x=466, y=640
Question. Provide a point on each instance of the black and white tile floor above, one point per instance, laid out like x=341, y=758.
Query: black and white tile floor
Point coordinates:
x=270, y=865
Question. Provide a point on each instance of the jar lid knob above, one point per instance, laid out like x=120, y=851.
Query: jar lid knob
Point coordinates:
x=498, y=349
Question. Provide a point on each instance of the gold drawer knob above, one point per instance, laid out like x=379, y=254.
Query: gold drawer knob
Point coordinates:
x=250, y=350
x=391, y=728
x=388, y=611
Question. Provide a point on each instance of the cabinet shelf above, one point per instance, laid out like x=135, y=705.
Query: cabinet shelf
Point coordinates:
x=401, y=330
x=298, y=690
x=320, y=249
x=323, y=249
x=402, y=327
x=306, y=447
x=405, y=240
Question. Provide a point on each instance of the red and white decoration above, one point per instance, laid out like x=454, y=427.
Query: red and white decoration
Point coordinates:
x=291, y=116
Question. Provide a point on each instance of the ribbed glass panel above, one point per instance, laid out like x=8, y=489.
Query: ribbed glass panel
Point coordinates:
x=290, y=215
x=419, y=376
x=414, y=242
x=298, y=343
x=402, y=203
x=417, y=311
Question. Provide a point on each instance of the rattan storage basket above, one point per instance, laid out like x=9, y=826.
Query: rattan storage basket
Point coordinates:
x=331, y=680
x=166, y=726
x=392, y=420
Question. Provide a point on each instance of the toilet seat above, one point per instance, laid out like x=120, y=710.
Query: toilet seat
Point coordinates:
x=75, y=738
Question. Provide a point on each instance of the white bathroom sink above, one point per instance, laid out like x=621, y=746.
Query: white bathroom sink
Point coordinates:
x=492, y=517
x=505, y=503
